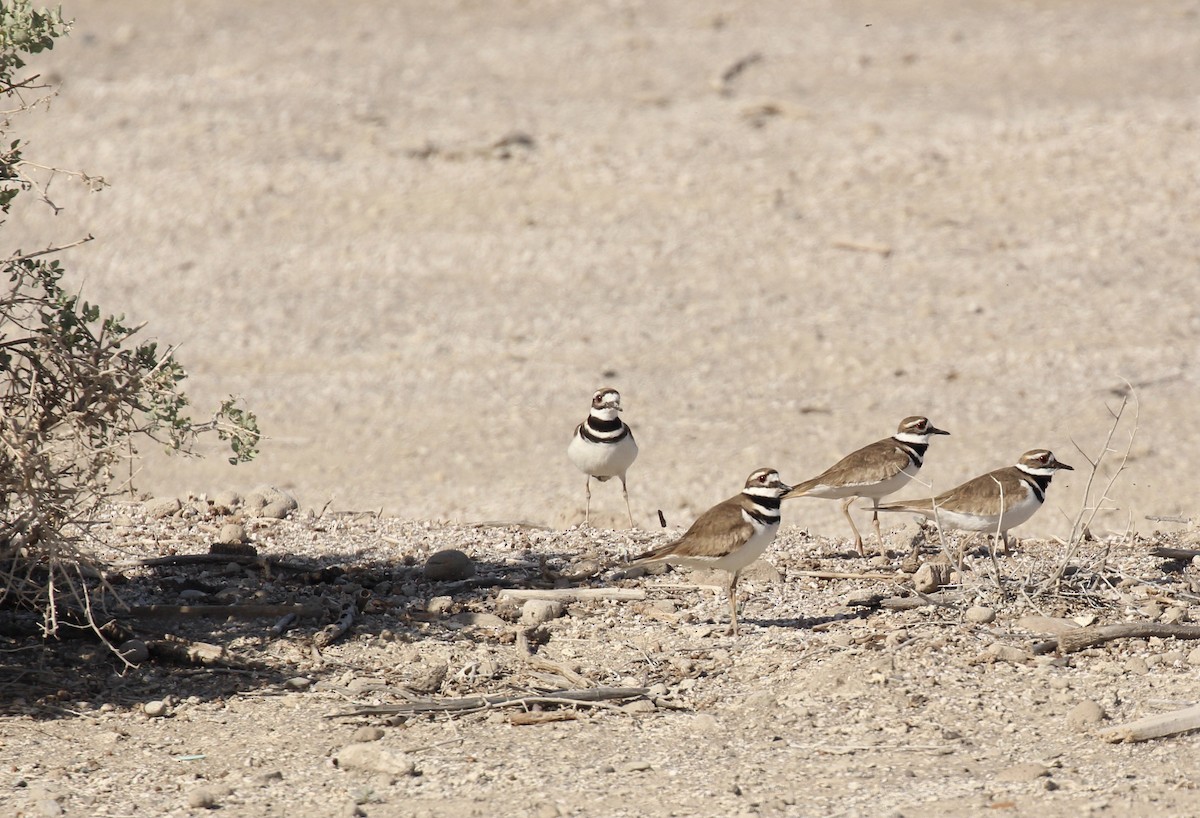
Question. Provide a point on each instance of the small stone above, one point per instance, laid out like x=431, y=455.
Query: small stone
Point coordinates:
x=439, y=604
x=365, y=734
x=448, y=566
x=374, y=758
x=1193, y=657
x=1174, y=614
x=1026, y=771
x=540, y=611
x=298, y=683
x=1137, y=666
x=224, y=502
x=155, y=708
x=206, y=797
x=980, y=615
x=634, y=766
x=134, y=651
x=1084, y=715
x=931, y=576
x=161, y=507
x=269, y=501
x=231, y=534
x=1007, y=653
x=639, y=706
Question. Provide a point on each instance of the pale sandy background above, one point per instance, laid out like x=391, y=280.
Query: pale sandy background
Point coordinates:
x=306, y=196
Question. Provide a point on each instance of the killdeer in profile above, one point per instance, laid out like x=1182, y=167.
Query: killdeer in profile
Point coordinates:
x=873, y=471
x=603, y=446
x=730, y=535
x=993, y=502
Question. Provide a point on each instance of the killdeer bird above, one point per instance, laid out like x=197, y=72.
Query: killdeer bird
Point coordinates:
x=873, y=471
x=730, y=535
x=993, y=502
x=603, y=446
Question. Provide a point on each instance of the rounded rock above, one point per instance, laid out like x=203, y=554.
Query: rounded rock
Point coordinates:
x=155, y=709
x=980, y=615
x=231, y=534
x=161, y=507
x=1085, y=714
x=540, y=611
x=448, y=566
x=134, y=651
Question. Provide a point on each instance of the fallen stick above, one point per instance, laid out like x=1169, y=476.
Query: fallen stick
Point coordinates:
x=284, y=624
x=595, y=696
x=1165, y=724
x=1174, y=553
x=525, y=652
x=216, y=559
x=183, y=651
x=1080, y=638
x=237, y=610
x=573, y=594
x=336, y=630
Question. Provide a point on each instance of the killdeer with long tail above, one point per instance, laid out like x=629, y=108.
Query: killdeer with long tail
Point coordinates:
x=874, y=471
x=994, y=502
x=603, y=446
x=730, y=535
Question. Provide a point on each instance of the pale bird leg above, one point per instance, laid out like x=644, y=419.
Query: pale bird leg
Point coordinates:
x=587, y=508
x=625, y=492
x=858, y=543
x=733, y=625
x=878, y=534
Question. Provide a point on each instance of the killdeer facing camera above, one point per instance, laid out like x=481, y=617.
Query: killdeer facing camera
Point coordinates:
x=874, y=471
x=730, y=535
x=993, y=502
x=603, y=446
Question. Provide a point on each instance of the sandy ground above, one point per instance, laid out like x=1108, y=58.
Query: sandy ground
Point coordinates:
x=416, y=236
x=309, y=199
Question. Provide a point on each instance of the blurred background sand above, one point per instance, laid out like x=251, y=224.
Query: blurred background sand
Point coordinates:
x=416, y=236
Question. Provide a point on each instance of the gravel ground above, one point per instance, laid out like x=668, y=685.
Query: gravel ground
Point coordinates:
x=416, y=236
x=825, y=704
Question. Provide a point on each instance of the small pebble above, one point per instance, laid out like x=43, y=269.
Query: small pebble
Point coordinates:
x=231, y=534
x=365, y=734
x=161, y=507
x=1084, y=715
x=375, y=758
x=49, y=808
x=980, y=615
x=155, y=708
x=634, y=766
x=298, y=683
x=639, y=706
x=448, y=566
x=439, y=604
x=540, y=611
x=134, y=651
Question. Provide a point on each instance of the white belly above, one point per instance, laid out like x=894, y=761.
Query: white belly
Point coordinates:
x=1013, y=517
x=754, y=548
x=602, y=460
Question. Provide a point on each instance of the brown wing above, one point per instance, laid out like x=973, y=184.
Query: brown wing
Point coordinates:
x=981, y=495
x=715, y=533
x=978, y=495
x=871, y=464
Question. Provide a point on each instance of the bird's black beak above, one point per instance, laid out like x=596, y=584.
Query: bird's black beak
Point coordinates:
x=1061, y=465
x=933, y=430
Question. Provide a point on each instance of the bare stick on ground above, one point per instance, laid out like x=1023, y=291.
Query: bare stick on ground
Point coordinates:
x=1080, y=638
x=1164, y=724
x=590, y=696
